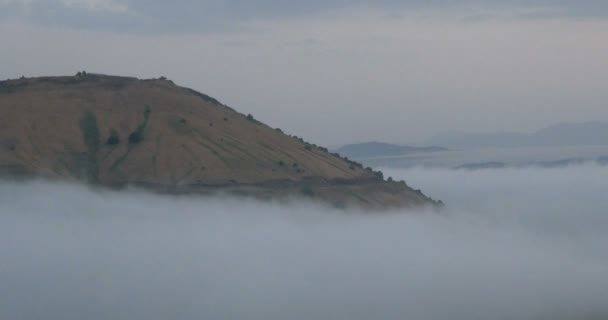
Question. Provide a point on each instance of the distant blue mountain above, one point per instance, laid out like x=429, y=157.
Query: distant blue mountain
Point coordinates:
x=379, y=149
x=563, y=134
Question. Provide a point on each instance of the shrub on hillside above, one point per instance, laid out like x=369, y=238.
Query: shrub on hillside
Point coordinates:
x=138, y=135
x=90, y=131
x=114, y=138
x=379, y=174
x=307, y=191
x=90, y=136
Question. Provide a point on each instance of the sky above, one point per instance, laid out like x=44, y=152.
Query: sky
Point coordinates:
x=337, y=71
x=69, y=252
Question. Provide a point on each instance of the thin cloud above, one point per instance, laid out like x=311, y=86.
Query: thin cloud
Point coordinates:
x=154, y=16
x=97, y=5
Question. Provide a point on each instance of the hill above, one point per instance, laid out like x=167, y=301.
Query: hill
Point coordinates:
x=379, y=149
x=118, y=131
x=563, y=134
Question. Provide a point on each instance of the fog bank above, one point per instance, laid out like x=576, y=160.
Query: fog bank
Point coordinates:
x=512, y=244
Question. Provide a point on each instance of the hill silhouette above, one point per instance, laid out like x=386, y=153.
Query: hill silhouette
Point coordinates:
x=119, y=131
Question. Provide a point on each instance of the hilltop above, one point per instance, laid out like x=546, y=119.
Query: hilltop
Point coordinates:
x=119, y=131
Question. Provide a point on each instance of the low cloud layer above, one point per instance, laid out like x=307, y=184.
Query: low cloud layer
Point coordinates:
x=513, y=244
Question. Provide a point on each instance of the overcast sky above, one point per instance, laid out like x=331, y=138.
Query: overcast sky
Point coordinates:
x=337, y=71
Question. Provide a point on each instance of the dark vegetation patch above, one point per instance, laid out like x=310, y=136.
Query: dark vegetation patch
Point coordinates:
x=308, y=191
x=298, y=169
x=8, y=145
x=4, y=89
x=137, y=136
x=250, y=117
x=90, y=136
x=14, y=171
x=10, y=86
x=379, y=174
x=179, y=124
x=114, y=138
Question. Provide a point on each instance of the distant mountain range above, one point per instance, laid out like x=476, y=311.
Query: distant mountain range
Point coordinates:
x=380, y=149
x=563, y=134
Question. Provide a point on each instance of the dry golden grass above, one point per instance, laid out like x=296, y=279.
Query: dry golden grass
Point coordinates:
x=170, y=137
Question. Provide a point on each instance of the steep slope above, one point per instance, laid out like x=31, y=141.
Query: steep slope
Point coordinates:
x=117, y=131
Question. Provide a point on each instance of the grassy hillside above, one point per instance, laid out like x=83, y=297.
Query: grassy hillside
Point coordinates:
x=118, y=131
